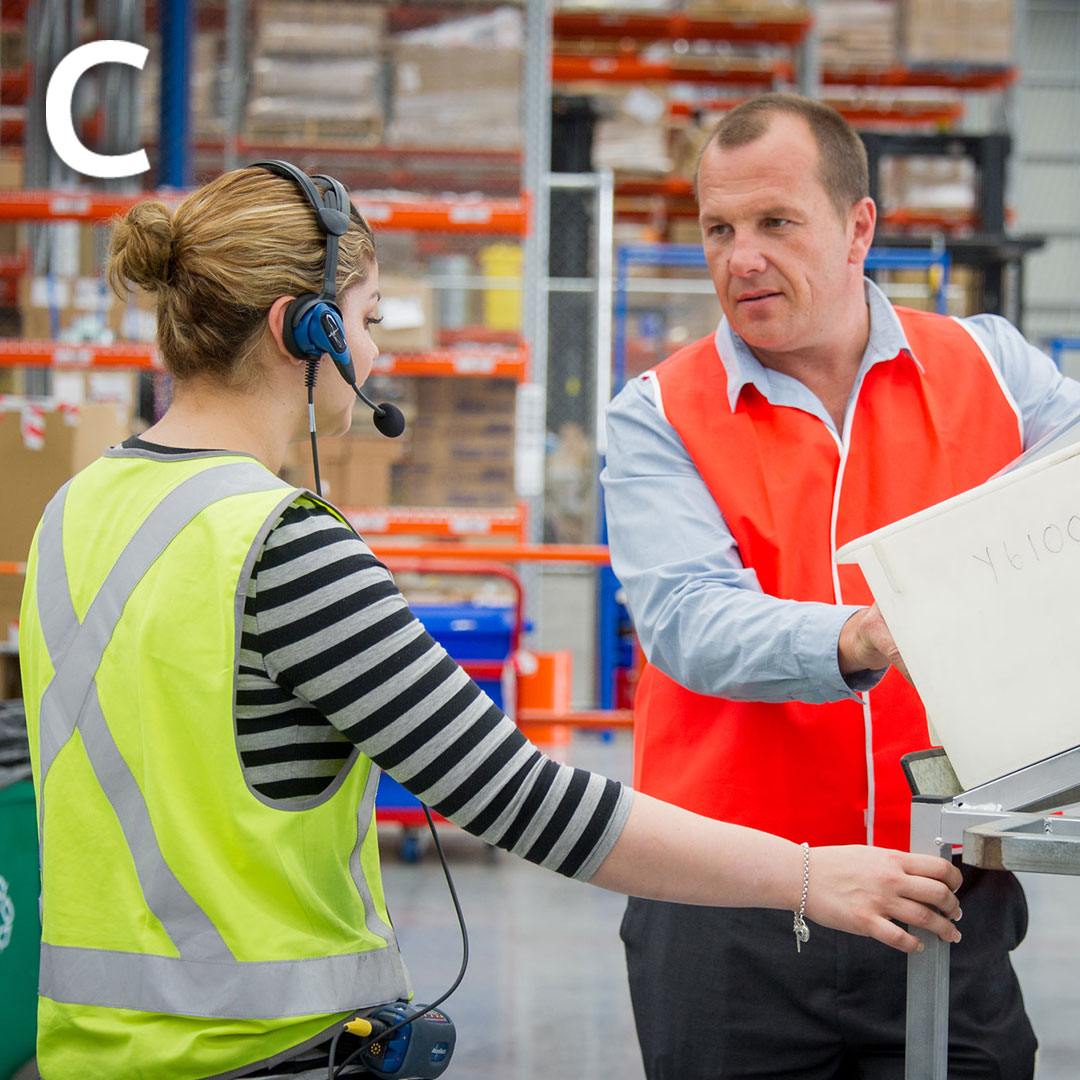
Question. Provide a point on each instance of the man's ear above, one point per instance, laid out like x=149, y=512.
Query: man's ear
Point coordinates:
x=863, y=219
x=275, y=319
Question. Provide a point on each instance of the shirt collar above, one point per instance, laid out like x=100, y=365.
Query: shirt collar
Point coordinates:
x=887, y=342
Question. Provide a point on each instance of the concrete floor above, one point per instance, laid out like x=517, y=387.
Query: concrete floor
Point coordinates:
x=546, y=996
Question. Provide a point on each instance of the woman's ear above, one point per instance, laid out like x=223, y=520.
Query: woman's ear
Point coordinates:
x=275, y=319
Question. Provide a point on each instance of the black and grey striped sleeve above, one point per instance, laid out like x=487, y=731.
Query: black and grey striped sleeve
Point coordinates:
x=329, y=628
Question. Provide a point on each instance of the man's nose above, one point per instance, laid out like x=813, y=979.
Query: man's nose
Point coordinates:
x=746, y=257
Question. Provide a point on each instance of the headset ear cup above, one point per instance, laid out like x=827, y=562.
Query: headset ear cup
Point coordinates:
x=294, y=328
x=332, y=326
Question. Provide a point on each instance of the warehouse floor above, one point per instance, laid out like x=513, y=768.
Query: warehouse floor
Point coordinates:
x=545, y=995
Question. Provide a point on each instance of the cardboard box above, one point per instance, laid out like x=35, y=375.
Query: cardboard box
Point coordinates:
x=857, y=33
x=435, y=105
x=462, y=450
x=912, y=288
x=83, y=309
x=461, y=399
x=978, y=32
x=343, y=43
x=929, y=183
x=323, y=27
x=30, y=477
x=12, y=233
x=458, y=484
x=408, y=312
x=354, y=469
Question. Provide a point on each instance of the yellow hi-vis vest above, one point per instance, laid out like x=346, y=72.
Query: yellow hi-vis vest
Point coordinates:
x=189, y=928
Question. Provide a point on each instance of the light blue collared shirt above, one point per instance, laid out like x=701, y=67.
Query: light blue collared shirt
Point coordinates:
x=701, y=615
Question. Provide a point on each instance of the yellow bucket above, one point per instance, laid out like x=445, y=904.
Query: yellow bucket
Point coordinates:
x=502, y=306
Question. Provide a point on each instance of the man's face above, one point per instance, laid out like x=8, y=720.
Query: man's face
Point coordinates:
x=782, y=259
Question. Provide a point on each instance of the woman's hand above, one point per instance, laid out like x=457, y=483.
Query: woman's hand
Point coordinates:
x=860, y=889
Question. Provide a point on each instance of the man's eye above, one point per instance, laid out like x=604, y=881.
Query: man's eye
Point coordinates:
x=776, y=222
x=719, y=230
x=372, y=320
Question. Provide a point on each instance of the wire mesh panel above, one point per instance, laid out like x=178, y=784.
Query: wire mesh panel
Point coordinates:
x=1048, y=114
x=570, y=462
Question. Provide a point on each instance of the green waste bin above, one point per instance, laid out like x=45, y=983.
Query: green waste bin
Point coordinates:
x=20, y=925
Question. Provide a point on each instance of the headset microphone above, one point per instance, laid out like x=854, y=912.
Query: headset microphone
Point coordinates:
x=387, y=418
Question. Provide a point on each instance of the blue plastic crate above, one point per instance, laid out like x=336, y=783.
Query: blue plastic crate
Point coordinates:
x=466, y=632
x=469, y=631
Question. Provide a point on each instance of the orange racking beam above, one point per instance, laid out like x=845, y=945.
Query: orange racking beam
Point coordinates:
x=60, y=354
x=569, y=68
x=678, y=26
x=495, y=216
x=594, y=554
x=491, y=363
x=450, y=522
x=584, y=718
x=955, y=79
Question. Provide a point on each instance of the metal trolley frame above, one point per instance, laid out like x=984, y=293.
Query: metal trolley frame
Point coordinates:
x=1028, y=820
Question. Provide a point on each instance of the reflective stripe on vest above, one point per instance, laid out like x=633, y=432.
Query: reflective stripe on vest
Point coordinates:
x=192, y=984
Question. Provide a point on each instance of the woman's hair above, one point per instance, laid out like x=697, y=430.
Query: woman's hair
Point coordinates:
x=218, y=262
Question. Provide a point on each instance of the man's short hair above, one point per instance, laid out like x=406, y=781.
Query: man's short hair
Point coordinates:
x=842, y=166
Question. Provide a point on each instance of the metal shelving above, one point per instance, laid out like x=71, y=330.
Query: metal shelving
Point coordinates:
x=449, y=523
x=461, y=215
x=457, y=362
x=460, y=362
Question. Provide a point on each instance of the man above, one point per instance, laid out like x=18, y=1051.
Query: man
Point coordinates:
x=816, y=413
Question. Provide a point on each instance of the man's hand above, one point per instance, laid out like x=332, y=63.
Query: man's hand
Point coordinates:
x=866, y=644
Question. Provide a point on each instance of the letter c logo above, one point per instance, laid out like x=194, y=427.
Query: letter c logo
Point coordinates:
x=58, y=99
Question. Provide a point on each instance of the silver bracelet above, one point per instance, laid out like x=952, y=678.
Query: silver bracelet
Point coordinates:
x=801, y=930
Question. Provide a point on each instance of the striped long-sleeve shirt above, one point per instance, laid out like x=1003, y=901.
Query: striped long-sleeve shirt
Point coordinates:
x=332, y=658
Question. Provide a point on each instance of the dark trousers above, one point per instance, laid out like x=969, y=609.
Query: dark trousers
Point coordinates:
x=720, y=994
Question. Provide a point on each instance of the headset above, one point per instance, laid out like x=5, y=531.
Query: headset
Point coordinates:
x=399, y=1039
x=313, y=326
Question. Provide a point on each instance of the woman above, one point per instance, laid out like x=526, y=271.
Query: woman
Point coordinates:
x=216, y=667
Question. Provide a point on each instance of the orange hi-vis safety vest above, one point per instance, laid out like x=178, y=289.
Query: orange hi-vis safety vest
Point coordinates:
x=924, y=427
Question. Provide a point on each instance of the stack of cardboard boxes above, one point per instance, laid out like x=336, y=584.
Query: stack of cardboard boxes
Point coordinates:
x=457, y=450
x=978, y=32
x=42, y=447
x=316, y=71
x=857, y=33
x=945, y=186
x=354, y=468
x=462, y=445
x=12, y=243
x=75, y=303
x=435, y=104
x=458, y=83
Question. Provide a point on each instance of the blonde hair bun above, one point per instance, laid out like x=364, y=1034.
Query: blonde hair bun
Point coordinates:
x=219, y=261
x=142, y=248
